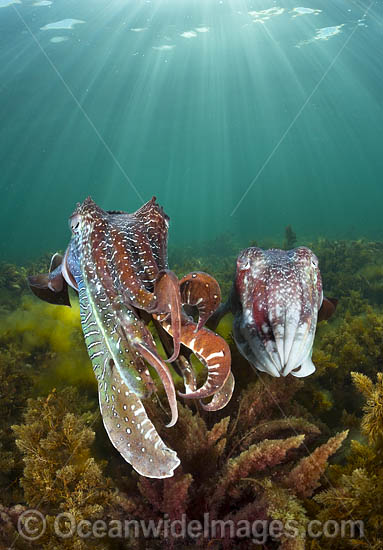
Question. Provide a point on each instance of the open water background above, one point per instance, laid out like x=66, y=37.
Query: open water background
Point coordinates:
x=240, y=116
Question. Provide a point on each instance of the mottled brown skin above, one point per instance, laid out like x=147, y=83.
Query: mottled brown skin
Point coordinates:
x=118, y=264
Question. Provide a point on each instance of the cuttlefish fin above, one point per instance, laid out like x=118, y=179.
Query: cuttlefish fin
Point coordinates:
x=327, y=309
x=56, y=261
x=130, y=430
x=51, y=287
x=201, y=290
x=167, y=290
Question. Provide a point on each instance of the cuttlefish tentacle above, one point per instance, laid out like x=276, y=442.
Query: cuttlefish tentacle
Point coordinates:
x=143, y=371
x=211, y=350
x=131, y=365
x=201, y=290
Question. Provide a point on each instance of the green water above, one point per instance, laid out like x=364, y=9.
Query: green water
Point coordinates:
x=238, y=121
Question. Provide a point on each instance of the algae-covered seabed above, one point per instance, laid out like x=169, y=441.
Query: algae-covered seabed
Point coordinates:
x=242, y=117
x=264, y=457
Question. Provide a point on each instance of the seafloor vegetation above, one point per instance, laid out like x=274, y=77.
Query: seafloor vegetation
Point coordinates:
x=264, y=457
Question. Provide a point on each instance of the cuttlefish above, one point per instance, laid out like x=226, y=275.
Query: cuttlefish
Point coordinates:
x=276, y=300
x=117, y=262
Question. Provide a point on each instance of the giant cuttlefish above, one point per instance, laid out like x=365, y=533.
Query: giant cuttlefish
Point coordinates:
x=276, y=300
x=117, y=262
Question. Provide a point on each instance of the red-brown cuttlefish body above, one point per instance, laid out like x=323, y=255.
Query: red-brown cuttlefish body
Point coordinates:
x=117, y=262
x=277, y=299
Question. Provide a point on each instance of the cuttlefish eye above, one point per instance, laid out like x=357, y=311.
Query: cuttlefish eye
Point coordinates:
x=74, y=222
x=314, y=261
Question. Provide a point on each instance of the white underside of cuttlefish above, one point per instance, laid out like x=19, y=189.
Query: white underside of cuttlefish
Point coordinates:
x=279, y=294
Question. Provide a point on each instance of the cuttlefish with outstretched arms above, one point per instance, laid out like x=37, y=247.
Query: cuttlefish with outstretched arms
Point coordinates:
x=118, y=264
x=277, y=299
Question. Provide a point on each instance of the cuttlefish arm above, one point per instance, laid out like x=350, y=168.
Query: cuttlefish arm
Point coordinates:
x=201, y=290
x=151, y=356
x=135, y=339
x=131, y=431
x=168, y=300
x=195, y=289
x=52, y=286
x=183, y=363
x=222, y=397
x=210, y=349
x=326, y=311
x=108, y=338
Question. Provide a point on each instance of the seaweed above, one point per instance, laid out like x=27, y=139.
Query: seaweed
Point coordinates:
x=15, y=382
x=357, y=486
x=252, y=465
x=342, y=264
x=12, y=284
x=51, y=340
x=60, y=474
x=290, y=238
x=352, y=342
x=260, y=459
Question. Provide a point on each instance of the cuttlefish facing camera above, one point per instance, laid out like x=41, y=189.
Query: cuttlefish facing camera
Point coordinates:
x=277, y=299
